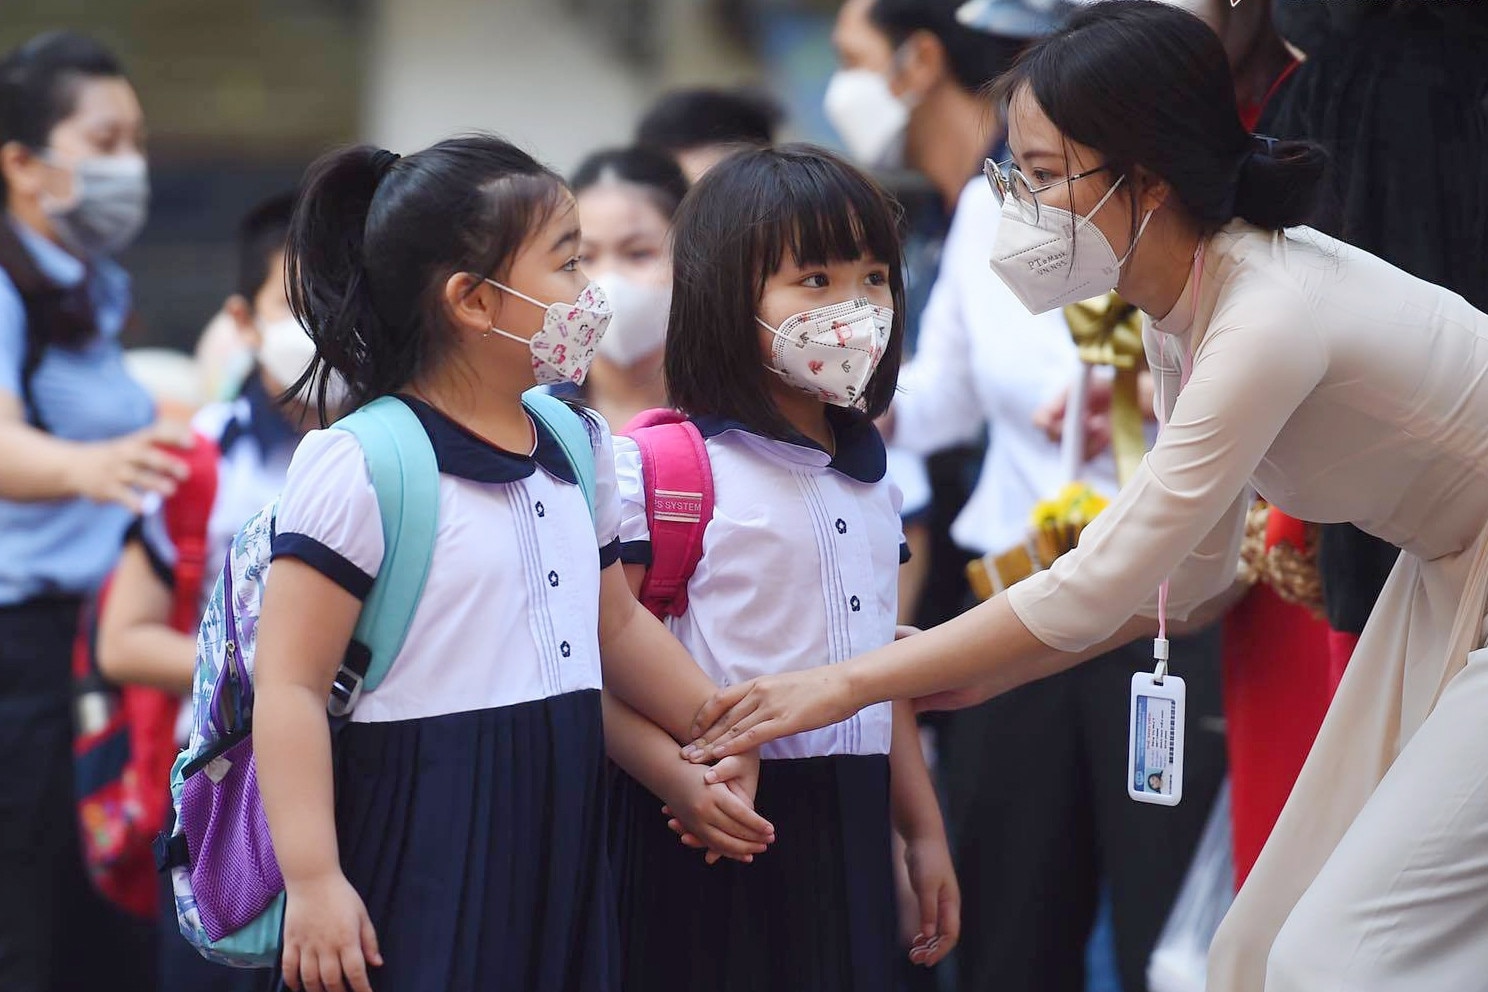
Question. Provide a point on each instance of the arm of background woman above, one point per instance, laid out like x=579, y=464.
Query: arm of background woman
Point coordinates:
x=35, y=465
x=1248, y=378
x=644, y=665
x=136, y=642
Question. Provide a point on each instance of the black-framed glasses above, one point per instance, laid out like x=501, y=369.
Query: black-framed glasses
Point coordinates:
x=1009, y=183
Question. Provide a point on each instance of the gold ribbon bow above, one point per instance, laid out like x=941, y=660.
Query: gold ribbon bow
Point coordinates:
x=1108, y=331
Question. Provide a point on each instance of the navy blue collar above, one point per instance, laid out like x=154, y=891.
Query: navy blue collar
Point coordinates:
x=860, y=448
x=259, y=416
x=468, y=456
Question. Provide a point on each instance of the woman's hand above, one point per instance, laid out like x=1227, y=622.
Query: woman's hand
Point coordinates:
x=328, y=937
x=119, y=471
x=741, y=717
x=713, y=810
x=933, y=879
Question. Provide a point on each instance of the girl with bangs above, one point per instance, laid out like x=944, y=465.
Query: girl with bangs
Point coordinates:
x=784, y=342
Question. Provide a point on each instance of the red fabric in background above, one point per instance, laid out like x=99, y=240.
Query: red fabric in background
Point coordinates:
x=1277, y=686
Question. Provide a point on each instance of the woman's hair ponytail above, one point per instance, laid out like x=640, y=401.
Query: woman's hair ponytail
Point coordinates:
x=376, y=237
x=1279, y=183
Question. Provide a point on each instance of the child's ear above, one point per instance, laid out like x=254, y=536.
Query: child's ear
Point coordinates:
x=473, y=304
x=238, y=308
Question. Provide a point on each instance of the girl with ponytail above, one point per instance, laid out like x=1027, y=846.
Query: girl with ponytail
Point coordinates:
x=1336, y=385
x=455, y=837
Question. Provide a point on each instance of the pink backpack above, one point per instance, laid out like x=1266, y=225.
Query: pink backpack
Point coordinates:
x=679, y=504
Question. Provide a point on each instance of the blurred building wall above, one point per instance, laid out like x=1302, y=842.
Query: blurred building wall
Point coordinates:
x=558, y=77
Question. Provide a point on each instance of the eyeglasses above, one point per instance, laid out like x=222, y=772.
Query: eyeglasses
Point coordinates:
x=1008, y=183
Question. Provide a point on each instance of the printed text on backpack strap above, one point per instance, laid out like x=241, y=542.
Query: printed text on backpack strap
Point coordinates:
x=679, y=505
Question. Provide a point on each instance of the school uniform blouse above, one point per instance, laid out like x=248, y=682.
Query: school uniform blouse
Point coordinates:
x=982, y=361
x=67, y=546
x=800, y=563
x=1340, y=387
x=510, y=612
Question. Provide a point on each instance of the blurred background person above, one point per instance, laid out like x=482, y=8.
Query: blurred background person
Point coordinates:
x=1396, y=92
x=252, y=437
x=77, y=453
x=626, y=198
x=698, y=127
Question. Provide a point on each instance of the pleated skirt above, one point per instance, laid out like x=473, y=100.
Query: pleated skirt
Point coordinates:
x=815, y=912
x=478, y=842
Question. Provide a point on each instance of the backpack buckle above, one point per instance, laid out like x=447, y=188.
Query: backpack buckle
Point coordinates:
x=346, y=689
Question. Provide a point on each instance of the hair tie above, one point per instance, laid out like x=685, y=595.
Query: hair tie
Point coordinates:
x=1260, y=145
x=382, y=162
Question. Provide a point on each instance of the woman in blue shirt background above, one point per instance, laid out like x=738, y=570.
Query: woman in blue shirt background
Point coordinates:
x=77, y=451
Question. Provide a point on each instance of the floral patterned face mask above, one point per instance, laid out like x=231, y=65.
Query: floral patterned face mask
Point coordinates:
x=831, y=352
x=563, y=348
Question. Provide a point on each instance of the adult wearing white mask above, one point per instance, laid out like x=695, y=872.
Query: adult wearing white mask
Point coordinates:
x=626, y=198
x=77, y=452
x=906, y=91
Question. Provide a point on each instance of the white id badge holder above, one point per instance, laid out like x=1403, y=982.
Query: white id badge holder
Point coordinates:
x=1154, y=772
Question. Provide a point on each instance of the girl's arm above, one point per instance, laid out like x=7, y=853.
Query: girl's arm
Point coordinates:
x=721, y=819
x=304, y=630
x=136, y=642
x=644, y=665
x=35, y=466
x=927, y=853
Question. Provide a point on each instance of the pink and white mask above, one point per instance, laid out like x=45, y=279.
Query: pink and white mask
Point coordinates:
x=831, y=352
x=563, y=348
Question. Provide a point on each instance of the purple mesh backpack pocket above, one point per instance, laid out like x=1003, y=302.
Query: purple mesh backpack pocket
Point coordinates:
x=234, y=874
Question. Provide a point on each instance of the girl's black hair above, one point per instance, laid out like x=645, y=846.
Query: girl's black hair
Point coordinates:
x=655, y=172
x=375, y=238
x=39, y=84
x=741, y=221
x=1146, y=84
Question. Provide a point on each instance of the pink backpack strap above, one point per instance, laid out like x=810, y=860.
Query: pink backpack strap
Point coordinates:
x=679, y=505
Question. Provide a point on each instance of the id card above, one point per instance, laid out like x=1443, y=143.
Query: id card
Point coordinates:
x=1155, y=744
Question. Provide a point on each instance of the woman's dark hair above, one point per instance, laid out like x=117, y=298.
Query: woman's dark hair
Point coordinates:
x=1146, y=84
x=39, y=84
x=655, y=172
x=741, y=221
x=375, y=238
x=975, y=57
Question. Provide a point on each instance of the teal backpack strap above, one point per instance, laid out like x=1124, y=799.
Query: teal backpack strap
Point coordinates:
x=567, y=425
x=405, y=475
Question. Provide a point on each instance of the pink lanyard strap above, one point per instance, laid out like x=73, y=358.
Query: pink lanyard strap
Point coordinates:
x=1160, y=646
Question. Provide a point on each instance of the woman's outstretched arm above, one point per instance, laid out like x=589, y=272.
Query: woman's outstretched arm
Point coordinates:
x=982, y=653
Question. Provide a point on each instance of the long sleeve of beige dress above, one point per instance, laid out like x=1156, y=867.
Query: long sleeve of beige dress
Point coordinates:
x=1341, y=389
